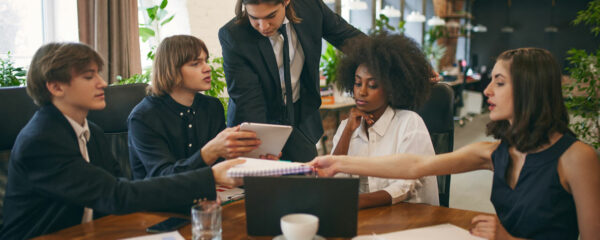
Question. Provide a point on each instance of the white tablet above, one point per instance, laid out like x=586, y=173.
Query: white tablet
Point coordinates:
x=272, y=137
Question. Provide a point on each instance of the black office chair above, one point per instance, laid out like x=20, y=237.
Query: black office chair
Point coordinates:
x=438, y=115
x=16, y=108
x=120, y=100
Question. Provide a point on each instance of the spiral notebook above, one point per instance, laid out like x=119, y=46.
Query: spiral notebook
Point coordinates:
x=260, y=167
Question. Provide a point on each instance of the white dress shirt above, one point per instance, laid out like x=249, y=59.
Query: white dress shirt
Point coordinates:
x=296, y=59
x=83, y=136
x=396, y=131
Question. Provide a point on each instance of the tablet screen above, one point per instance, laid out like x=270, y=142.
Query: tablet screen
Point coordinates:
x=272, y=137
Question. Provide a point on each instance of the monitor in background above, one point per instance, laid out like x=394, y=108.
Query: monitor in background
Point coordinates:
x=333, y=200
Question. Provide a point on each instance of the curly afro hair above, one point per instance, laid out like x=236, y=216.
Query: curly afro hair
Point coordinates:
x=395, y=61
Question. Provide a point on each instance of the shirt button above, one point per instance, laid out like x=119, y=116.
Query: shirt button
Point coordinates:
x=190, y=126
x=181, y=114
x=190, y=145
x=188, y=111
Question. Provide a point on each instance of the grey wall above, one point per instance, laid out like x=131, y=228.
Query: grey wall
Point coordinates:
x=529, y=18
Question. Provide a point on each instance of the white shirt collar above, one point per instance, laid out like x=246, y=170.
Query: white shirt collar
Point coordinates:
x=278, y=35
x=79, y=130
x=380, y=127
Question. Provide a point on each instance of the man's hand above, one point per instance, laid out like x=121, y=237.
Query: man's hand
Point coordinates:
x=229, y=143
x=220, y=173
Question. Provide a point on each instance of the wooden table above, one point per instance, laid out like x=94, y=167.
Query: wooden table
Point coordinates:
x=375, y=220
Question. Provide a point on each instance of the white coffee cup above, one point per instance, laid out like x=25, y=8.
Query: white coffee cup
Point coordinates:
x=299, y=226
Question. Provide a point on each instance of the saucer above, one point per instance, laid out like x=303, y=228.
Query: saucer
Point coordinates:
x=281, y=237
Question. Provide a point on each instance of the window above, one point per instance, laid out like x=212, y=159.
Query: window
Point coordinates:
x=27, y=25
x=179, y=25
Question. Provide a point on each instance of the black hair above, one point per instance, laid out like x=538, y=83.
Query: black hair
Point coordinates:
x=395, y=61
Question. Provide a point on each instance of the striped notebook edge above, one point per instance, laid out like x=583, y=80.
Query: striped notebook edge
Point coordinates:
x=260, y=167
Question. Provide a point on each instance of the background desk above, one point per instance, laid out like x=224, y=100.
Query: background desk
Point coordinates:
x=375, y=220
x=331, y=115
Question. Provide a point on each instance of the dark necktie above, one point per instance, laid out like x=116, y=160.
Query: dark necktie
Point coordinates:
x=287, y=77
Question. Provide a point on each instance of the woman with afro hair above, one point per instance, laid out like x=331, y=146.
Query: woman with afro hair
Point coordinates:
x=389, y=77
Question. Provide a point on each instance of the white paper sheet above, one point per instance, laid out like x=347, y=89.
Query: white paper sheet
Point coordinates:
x=443, y=231
x=174, y=235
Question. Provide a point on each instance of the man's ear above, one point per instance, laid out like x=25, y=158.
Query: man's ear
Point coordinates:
x=55, y=88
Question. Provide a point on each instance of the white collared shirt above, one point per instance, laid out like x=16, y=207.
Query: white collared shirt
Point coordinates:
x=83, y=136
x=296, y=59
x=396, y=131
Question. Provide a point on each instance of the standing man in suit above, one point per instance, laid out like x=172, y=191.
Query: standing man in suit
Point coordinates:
x=272, y=46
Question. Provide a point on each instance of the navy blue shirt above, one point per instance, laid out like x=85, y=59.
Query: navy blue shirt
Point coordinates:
x=165, y=137
x=539, y=207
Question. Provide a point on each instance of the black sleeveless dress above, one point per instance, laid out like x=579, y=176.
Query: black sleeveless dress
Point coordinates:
x=538, y=207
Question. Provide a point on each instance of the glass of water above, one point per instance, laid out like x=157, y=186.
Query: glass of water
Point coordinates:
x=206, y=221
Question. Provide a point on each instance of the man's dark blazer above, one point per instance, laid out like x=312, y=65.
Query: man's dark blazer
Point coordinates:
x=253, y=79
x=49, y=182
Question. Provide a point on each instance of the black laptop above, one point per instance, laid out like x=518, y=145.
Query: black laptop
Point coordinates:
x=333, y=200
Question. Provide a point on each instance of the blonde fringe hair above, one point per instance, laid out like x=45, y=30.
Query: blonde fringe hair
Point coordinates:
x=172, y=53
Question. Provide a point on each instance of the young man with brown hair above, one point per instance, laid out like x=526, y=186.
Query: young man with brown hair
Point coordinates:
x=59, y=175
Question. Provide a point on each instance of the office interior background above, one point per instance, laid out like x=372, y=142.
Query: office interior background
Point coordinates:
x=476, y=32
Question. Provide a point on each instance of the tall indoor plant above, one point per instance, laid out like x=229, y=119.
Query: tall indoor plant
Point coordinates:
x=583, y=92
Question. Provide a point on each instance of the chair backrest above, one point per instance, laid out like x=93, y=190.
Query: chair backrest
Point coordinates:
x=438, y=115
x=16, y=108
x=120, y=100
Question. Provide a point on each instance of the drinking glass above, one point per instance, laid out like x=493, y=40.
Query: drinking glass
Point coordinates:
x=206, y=221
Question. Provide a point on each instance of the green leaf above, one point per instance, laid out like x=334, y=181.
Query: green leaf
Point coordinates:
x=163, y=4
x=167, y=20
x=152, y=12
x=146, y=33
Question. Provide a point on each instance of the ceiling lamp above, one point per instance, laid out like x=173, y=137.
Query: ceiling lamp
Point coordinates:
x=551, y=29
x=479, y=28
x=436, y=21
x=507, y=29
x=357, y=5
x=415, y=16
x=390, y=11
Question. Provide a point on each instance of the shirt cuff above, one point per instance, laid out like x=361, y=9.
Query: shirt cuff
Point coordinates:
x=402, y=189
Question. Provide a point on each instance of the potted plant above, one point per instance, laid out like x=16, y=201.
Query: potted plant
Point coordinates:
x=433, y=51
x=218, y=84
x=582, y=93
x=158, y=16
x=10, y=75
x=328, y=66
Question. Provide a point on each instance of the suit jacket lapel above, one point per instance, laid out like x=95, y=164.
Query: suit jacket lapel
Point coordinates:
x=306, y=46
x=266, y=50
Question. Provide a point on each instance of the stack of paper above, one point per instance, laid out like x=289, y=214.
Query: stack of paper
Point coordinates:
x=443, y=231
x=260, y=167
x=227, y=194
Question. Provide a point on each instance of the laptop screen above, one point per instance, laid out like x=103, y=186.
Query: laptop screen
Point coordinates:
x=333, y=200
